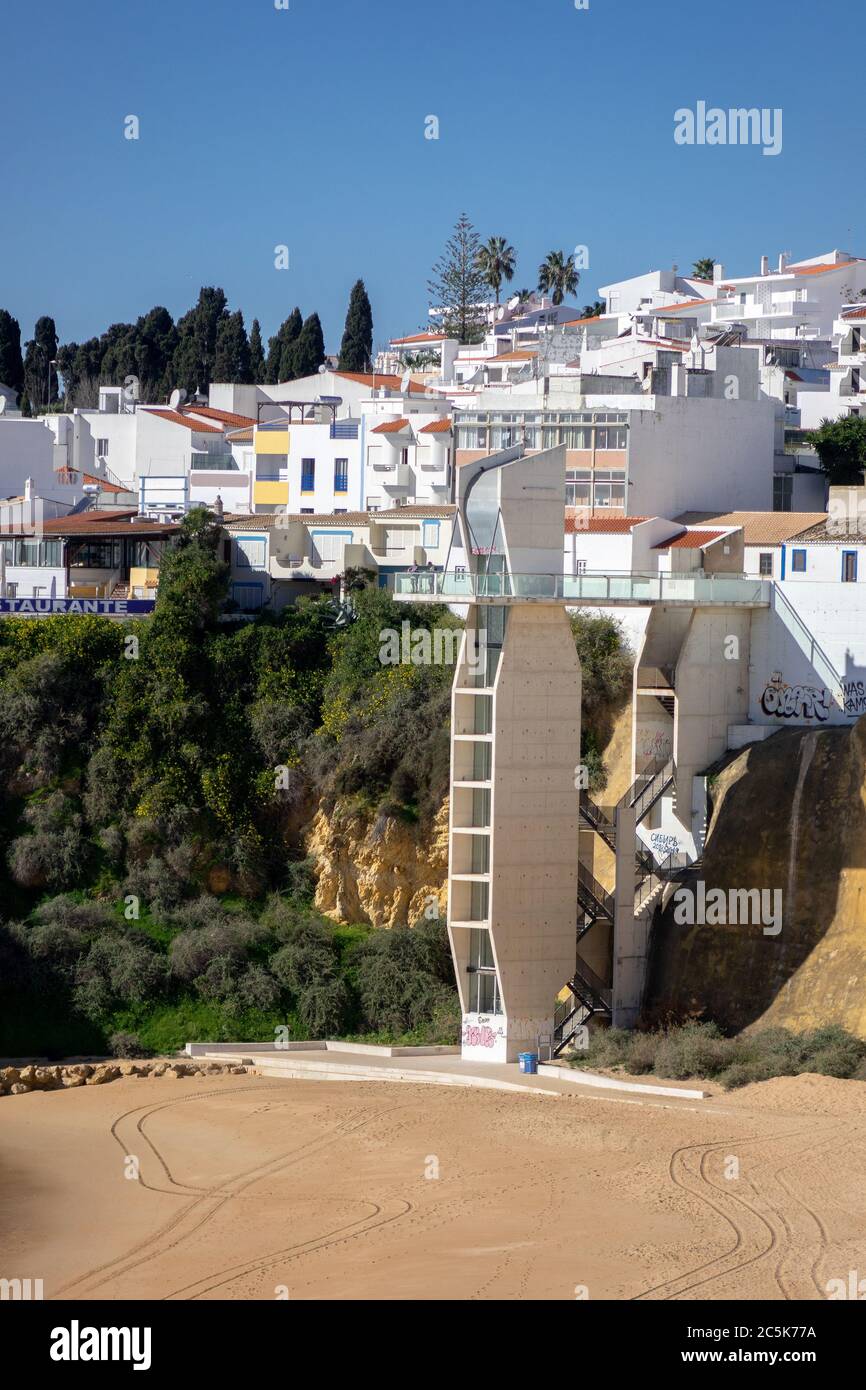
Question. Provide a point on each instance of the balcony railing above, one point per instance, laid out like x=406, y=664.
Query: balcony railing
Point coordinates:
x=601, y=588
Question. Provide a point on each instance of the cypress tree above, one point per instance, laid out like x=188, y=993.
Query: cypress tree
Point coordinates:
x=11, y=361
x=257, y=355
x=356, y=350
x=232, y=350
x=279, y=364
x=308, y=353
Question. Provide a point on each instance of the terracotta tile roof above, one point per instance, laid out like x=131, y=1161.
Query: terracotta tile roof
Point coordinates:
x=391, y=427
x=244, y=436
x=592, y=318
x=429, y=337
x=686, y=304
x=517, y=355
x=442, y=426
x=841, y=531
x=689, y=540
x=380, y=379
x=104, y=484
x=226, y=417
x=576, y=520
x=759, y=528
x=111, y=522
x=175, y=418
x=854, y=313
x=819, y=269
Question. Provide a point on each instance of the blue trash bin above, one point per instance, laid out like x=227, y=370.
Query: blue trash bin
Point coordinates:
x=528, y=1063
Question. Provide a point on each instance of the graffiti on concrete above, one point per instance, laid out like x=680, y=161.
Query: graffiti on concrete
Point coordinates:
x=654, y=744
x=795, y=701
x=854, y=697
x=475, y=1036
x=663, y=845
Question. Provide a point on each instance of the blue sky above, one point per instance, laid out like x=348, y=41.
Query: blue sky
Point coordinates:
x=305, y=127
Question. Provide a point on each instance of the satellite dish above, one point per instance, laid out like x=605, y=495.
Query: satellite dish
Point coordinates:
x=3, y=404
x=176, y=399
x=323, y=369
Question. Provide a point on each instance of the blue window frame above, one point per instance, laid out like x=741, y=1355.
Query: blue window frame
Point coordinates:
x=798, y=562
x=430, y=534
x=308, y=475
x=849, y=566
x=341, y=475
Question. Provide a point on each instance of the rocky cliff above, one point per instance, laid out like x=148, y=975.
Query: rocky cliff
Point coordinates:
x=381, y=870
x=790, y=815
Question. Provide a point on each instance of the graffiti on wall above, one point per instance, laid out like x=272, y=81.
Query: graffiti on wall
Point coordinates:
x=654, y=743
x=663, y=845
x=785, y=701
x=854, y=697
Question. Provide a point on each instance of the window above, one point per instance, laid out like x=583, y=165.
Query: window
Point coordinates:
x=483, y=984
x=308, y=511
x=578, y=487
x=610, y=438
x=798, y=562
x=308, y=475
x=341, y=475
x=340, y=511
x=430, y=534
x=404, y=457
x=102, y=448
x=849, y=566
x=783, y=492
x=93, y=555
x=248, y=597
x=765, y=562
x=609, y=488
x=250, y=552
x=472, y=437
x=581, y=567
x=373, y=504
x=327, y=546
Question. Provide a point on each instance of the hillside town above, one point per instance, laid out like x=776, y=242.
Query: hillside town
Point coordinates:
x=687, y=407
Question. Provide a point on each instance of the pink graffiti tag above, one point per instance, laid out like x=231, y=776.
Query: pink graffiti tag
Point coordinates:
x=473, y=1036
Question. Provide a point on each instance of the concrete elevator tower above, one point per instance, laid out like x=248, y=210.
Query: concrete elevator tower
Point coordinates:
x=515, y=751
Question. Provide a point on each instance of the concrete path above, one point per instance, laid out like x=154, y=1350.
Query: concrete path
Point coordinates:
x=445, y=1067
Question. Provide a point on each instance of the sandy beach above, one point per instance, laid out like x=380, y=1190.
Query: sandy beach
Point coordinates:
x=249, y=1188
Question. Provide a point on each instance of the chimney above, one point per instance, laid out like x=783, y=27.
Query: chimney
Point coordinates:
x=28, y=489
x=783, y=262
x=718, y=273
x=765, y=265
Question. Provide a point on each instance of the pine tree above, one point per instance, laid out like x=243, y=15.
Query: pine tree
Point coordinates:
x=458, y=286
x=193, y=362
x=11, y=361
x=308, y=353
x=257, y=355
x=356, y=350
x=232, y=351
x=39, y=377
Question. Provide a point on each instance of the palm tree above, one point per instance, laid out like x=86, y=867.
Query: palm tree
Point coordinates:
x=496, y=261
x=558, y=275
x=593, y=311
x=703, y=269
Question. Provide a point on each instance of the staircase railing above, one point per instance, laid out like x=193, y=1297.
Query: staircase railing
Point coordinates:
x=591, y=896
x=598, y=820
x=646, y=789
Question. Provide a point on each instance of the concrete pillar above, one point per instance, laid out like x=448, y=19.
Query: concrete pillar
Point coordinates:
x=630, y=934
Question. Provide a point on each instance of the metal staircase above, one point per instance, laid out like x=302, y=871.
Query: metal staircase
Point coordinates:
x=589, y=995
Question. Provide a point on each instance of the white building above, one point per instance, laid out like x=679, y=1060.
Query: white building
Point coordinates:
x=278, y=557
